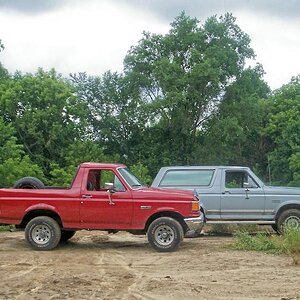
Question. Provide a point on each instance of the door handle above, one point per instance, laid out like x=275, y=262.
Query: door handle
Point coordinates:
x=87, y=196
x=226, y=192
x=246, y=191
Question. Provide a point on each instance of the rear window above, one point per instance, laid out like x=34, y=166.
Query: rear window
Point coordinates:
x=187, y=178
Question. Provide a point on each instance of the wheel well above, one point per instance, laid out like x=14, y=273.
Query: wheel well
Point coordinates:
x=37, y=213
x=286, y=207
x=178, y=217
x=202, y=210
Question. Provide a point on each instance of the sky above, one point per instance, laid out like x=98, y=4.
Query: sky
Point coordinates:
x=94, y=36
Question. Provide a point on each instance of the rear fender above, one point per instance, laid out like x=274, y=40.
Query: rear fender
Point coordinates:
x=40, y=209
x=41, y=206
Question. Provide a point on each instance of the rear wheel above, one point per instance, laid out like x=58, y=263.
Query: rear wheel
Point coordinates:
x=165, y=234
x=43, y=233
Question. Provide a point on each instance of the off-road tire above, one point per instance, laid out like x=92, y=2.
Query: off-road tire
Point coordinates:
x=288, y=218
x=29, y=183
x=165, y=234
x=42, y=233
x=275, y=227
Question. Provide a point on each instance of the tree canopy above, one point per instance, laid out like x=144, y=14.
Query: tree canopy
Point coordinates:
x=185, y=97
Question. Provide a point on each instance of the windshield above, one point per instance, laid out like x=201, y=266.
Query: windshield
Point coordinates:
x=130, y=178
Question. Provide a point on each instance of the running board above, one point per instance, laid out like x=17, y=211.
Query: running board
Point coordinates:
x=241, y=222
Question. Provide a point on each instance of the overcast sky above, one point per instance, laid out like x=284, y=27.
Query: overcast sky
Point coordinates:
x=94, y=35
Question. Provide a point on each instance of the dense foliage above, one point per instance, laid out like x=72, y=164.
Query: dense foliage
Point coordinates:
x=185, y=97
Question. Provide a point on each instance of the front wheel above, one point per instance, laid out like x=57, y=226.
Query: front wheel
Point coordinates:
x=165, y=234
x=290, y=218
x=43, y=233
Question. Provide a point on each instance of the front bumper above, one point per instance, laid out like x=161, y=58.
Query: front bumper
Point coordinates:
x=196, y=224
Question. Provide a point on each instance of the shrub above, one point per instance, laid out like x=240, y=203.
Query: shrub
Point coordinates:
x=288, y=243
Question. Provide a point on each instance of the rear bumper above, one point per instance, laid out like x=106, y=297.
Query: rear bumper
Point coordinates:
x=195, y=225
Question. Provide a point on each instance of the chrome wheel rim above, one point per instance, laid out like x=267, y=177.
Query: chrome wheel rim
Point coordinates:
x=292, y=222
x=164, y=235
x=41, y=234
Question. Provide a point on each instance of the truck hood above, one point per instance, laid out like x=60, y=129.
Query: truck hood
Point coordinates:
x=163, y=194
x=282, y=190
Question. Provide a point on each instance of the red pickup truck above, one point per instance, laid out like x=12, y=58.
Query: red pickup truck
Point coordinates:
x=103, y=197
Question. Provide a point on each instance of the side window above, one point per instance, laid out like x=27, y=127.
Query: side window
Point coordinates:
x=118, y=185
x=187, y=178
x=107, y=176
x=99, y=179
x=93, y=180
x=239, y=180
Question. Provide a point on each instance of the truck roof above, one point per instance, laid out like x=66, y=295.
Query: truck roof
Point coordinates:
x=205, y=167
x=101, y=165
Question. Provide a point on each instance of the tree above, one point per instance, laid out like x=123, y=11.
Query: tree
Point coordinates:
x=78, y=152
x=117, y=116
x=13, y=163
x=283, y=128
x=141, y=172
x=182, y=76
x=3, y=72
x=234, y=134
x=46, y=115
x=1, y=45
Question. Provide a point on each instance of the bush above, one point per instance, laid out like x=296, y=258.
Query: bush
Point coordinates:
x=292, y=244
x=288, y=243
x=259, y=242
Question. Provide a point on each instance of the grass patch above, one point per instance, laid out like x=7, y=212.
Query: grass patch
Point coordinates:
x=229, y=229
x=7, y=227
x=288, y=243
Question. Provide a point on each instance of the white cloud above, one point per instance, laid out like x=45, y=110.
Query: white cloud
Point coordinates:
x=94, y=36
x=89, y=36
x=276, y=43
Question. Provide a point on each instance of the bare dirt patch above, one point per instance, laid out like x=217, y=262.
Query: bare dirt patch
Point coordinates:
x=96, y=265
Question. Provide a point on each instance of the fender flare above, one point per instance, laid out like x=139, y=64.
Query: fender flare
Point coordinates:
x=41, y=209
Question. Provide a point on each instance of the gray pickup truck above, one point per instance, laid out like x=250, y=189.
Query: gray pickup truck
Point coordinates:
x=235, y=195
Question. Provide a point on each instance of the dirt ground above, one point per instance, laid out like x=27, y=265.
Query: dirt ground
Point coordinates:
x=96, y=265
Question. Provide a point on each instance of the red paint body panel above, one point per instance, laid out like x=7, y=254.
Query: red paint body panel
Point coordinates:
x=79, y=208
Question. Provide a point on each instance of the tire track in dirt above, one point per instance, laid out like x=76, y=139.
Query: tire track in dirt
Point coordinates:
x=95, y=265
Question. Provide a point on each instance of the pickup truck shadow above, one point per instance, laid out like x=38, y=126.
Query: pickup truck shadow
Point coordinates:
x=105, y=242
x=140, y=243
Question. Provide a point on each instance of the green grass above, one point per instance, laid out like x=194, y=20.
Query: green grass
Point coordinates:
x=229, y=229
x=288, y=243
x=6, y=227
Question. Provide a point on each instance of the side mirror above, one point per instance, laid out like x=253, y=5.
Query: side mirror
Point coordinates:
x=246, y=184
x=109, y=187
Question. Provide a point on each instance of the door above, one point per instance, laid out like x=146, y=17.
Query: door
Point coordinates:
x=242, y=198
x=105, y=202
